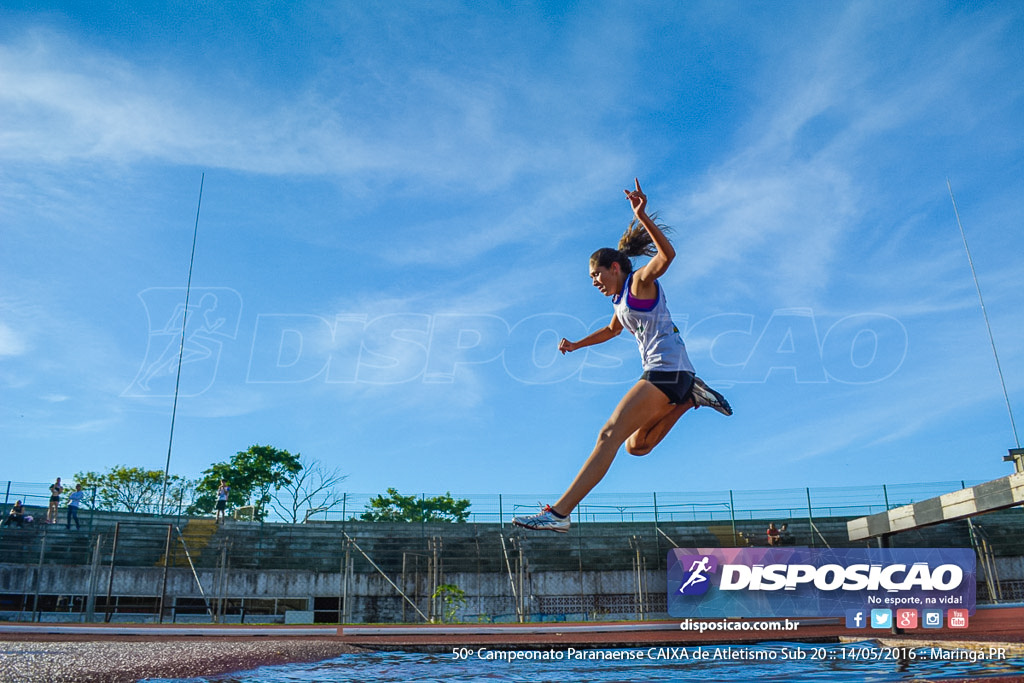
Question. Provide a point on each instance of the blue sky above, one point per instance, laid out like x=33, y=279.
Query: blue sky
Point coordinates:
x=398, y=206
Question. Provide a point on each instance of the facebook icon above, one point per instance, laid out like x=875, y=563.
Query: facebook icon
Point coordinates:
x=855, y=618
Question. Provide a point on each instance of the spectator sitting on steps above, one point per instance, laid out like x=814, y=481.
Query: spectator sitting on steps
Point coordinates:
x=773, y=534
x=16, y=515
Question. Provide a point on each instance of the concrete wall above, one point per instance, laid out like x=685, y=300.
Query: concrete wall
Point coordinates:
x=598, y=571
x=371, y=598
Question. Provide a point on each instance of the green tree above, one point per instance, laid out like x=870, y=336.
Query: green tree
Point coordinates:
x=131, y=489
x=452, y=600
x=394, y=507
x=253, y=475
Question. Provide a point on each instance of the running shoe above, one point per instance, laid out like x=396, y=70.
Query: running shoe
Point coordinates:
x=703, y=395
x=547, y=520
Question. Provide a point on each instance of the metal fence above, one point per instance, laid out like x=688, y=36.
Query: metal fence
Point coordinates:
x=730, y=505
x=606, y=567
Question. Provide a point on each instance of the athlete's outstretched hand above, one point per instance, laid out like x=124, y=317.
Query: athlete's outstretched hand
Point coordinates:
x=566, y=346
x=637, y=198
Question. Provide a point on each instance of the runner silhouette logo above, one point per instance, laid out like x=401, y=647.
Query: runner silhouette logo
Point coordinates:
x=696, y=580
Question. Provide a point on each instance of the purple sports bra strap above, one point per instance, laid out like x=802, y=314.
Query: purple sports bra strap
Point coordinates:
x=638, y=304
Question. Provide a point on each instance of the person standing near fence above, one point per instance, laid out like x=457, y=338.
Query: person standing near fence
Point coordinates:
x=74, y=501
x=223, y=491
x=55, y=490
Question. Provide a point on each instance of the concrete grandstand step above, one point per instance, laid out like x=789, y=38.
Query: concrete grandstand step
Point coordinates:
x=196, y=535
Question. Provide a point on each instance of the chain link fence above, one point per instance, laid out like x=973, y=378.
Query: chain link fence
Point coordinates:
x=498, y=508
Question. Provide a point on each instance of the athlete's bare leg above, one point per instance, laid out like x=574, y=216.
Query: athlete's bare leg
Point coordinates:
x=633, y=413
x=643, y=440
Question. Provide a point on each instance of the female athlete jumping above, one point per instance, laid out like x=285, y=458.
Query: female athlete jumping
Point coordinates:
x=667, y=388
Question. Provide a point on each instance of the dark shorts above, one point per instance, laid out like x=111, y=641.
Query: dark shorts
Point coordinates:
x=676, y=384
x=221, y=504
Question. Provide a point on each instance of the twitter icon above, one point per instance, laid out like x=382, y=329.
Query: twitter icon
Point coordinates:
x=881, y=618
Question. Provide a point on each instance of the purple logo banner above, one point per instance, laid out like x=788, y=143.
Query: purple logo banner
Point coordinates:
x=817, y=582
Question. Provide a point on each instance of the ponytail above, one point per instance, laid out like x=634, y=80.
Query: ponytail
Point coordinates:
x=636, y=241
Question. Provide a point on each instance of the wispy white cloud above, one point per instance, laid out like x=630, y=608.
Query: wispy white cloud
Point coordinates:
x=66, y=100
x=11, y=342
x=777, y=216
x=474, y=185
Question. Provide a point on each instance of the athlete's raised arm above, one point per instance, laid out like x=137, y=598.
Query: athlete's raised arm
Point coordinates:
x=659, y=263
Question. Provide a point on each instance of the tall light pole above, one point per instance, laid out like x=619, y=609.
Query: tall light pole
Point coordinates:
x=181, y=348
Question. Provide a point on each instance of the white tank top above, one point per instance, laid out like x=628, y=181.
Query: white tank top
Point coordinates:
x=661, y=345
